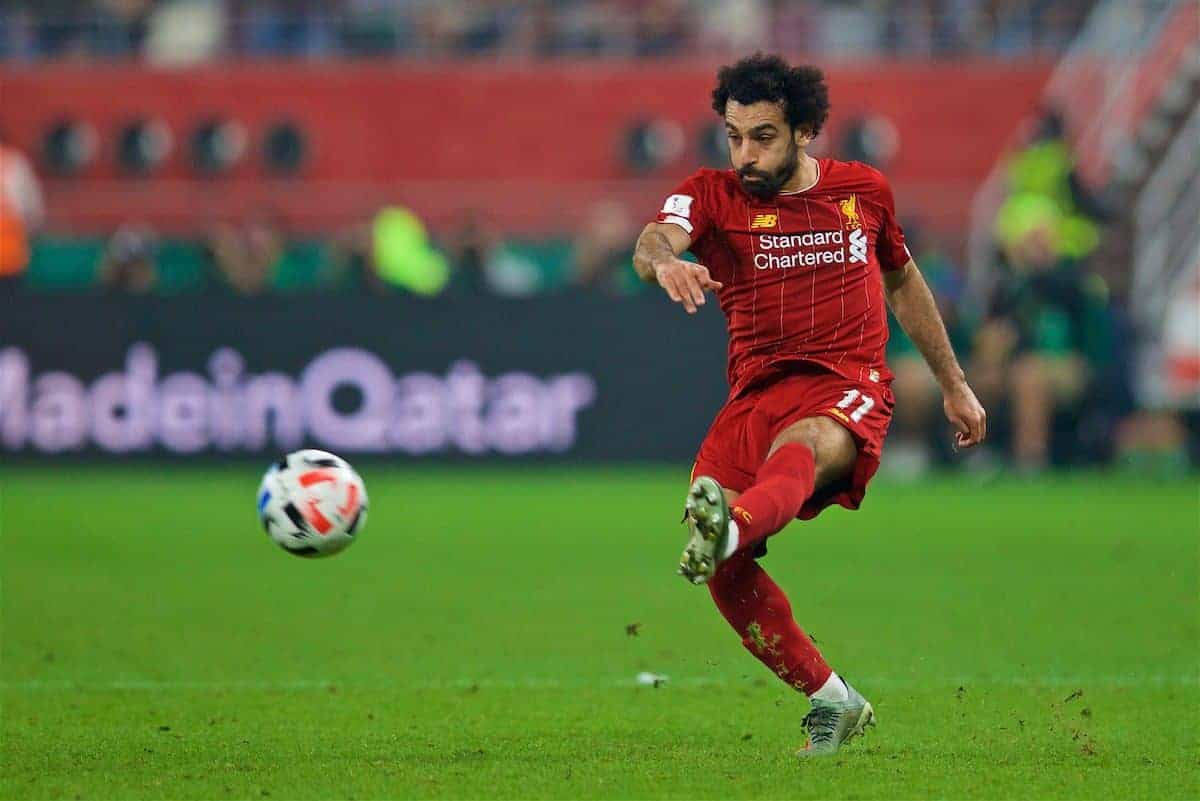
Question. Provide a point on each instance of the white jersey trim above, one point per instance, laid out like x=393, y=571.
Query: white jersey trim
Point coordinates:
x=811, y=186
x=680, y=221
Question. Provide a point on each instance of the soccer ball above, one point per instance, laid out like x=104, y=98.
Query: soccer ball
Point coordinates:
x=312, y=503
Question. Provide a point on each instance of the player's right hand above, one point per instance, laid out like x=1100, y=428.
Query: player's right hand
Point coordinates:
x=685, y=282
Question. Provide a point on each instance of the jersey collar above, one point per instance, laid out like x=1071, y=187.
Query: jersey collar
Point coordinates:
x=811, y=186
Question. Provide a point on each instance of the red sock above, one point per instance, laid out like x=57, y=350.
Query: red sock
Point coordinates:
x=783, y=484
x=760, y=613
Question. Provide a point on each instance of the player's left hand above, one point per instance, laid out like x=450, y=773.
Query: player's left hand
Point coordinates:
x=966, y=414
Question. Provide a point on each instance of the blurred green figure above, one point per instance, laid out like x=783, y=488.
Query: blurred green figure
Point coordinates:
x=403, y=255
x=1044, y=187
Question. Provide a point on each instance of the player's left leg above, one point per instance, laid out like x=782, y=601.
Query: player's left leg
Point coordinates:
x=758, y=609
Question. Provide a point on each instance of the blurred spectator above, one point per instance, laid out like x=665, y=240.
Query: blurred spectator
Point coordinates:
x=734, y=26
x=661, y=28
x=186, y=31
x=391, y=252
x=129, y=265
x=283, y=28
x=470, y=247
x=481, y=28
x=1032, y=351
x=21, y=212
x=851, y=27
x=1047, y=317
x=582, y=29
x=794, y=24
x=380, y=27
x=483, y=264
x=18, y=35
x=602, y=252
x=1043, y=184
x=352, y=263
x=1153, y=442
x=244, y=258
x=402, y=254
x=120, y=27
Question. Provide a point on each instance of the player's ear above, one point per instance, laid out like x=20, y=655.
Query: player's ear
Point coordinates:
x=801, y=136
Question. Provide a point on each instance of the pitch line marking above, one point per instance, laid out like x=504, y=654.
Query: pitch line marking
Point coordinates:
x=548, y=683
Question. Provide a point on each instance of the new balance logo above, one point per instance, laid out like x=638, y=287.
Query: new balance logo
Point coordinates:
x=858, y=247
x=764, y=221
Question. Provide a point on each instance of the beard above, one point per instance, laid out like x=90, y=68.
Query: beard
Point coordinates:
x=768, y=184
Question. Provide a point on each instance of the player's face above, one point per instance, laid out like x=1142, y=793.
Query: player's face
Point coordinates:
x=763, y=149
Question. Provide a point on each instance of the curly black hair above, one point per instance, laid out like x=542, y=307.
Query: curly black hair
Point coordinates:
x=800, y=90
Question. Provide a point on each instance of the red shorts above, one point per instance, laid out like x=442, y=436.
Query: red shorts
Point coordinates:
x=740, y=437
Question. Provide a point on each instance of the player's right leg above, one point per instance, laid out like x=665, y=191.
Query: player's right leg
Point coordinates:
x=728, y=457
x=707, y=516
x=809, y=454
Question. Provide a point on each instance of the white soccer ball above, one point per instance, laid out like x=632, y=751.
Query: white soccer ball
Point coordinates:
x=312, y=503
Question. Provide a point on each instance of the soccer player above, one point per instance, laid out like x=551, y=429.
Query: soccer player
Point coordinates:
x=802, y=254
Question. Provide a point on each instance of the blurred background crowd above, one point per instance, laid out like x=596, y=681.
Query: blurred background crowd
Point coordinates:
x=190, y=30
x=1065, y=258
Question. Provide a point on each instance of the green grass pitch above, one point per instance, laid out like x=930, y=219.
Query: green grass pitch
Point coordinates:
x=1023, y=639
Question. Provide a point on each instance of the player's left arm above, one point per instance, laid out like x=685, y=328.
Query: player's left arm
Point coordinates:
x=912, y=302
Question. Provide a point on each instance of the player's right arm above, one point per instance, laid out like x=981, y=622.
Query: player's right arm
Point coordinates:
x=656, y=259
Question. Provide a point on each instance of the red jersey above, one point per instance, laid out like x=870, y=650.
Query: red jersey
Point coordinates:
x=801, y=271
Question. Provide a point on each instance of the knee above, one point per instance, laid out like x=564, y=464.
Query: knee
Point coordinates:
x=809, y=432
x=833, y=449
